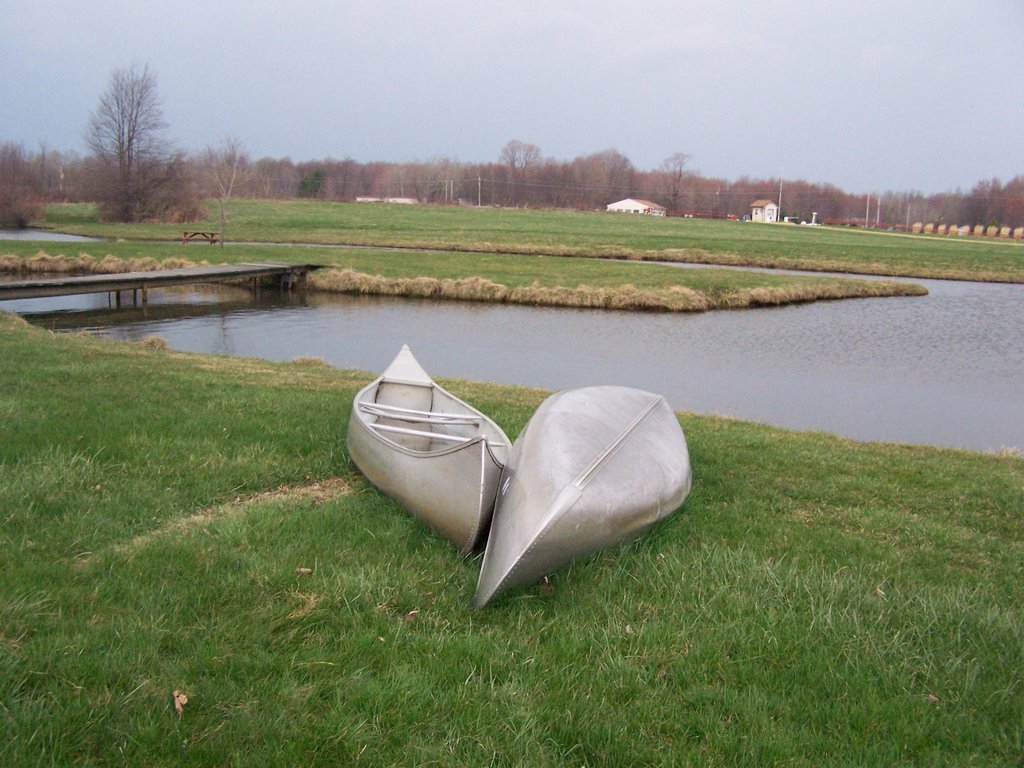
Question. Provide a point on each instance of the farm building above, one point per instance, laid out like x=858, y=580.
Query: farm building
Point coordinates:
x=631, y=205
x=764, y=210
x=399, y=200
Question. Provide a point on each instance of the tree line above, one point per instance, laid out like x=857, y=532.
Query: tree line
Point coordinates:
x=134, y=172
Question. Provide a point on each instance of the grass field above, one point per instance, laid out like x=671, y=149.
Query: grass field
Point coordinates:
x=477, y=276
x=587, y=234
x=815, y=602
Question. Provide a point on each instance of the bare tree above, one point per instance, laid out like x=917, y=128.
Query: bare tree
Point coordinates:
x=225, y=167
x=18, y=194
x=674, y=170
x=126, y=136
x=519, y=157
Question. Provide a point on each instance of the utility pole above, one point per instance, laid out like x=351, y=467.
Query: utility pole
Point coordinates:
x=867, y=211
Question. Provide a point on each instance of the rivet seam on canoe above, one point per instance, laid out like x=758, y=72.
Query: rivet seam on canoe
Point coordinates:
x=584, y=477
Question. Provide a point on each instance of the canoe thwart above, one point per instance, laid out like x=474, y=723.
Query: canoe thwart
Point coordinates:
x=411, y=414
x=423, y=433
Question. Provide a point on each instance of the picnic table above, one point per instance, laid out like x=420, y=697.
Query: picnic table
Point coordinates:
x=209, y=237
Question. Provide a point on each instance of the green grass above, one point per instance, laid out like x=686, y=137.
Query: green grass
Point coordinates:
x=815, y=602
x=588, y=234
x=525, y=279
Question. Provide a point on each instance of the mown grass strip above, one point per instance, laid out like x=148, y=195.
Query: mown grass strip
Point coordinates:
x=592, y=234
x=815, y=601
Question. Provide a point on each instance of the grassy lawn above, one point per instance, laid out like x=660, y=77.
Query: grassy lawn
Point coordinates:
x=815, y=602
x=587, y=234
x=527, y=279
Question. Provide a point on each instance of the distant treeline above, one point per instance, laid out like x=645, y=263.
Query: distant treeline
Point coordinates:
x=522, y=177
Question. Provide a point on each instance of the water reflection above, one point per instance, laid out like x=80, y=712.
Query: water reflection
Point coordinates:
x=944, y=369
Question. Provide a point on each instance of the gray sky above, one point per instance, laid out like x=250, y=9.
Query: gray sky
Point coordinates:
x=870, y=96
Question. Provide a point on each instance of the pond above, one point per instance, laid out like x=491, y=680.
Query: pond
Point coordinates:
x=944, y=369
x=42, y=234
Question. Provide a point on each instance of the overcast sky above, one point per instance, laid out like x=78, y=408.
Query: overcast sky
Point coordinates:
x=921, y=95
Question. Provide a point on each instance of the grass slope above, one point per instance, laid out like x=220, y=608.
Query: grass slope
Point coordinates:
x=815, y=601
x=573, y=233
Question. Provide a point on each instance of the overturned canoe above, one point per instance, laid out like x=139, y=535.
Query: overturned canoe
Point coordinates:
x=436, y=455
x=593, y=467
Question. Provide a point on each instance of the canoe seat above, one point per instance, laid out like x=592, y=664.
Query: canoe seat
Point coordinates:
x=414, y=396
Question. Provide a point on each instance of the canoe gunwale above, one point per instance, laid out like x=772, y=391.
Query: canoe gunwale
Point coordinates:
x=363, y=420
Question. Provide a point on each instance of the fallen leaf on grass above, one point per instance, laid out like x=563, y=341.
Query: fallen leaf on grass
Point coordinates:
x=547, y=588
x=180, y=700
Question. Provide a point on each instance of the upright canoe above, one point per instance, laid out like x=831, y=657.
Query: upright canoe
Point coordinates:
x=594, y=467
x=434, y=454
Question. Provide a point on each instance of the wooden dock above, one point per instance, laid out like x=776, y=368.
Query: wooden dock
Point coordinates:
x=287, y=276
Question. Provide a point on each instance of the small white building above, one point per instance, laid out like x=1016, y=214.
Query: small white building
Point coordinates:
x=764, y=210
x=632, y=205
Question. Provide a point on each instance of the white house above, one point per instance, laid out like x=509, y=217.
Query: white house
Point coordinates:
x=397, y=200
x=764, y=210
x=631, y=205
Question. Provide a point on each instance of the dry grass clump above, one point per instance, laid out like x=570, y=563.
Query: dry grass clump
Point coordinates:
x=311, y=361
x=10, y=319
x=625, y=297
x=44, y=262
x=180, y=263
x=9, y=263
x=155, y=343
x=84, y=263
x=628, y=297
x=772, y=296
x=675, y=298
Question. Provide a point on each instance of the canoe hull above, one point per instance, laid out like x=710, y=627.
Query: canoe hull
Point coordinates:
x=434, y=454
x=452, y=491
x=593, y=468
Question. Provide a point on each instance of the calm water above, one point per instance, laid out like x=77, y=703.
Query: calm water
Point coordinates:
x=946, y=369
x=42, y=234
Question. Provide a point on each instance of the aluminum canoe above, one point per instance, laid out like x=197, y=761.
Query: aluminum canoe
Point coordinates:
x=434, y=454
x=593, y=467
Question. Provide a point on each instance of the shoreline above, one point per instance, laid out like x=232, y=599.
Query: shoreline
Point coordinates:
x=624, y=297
